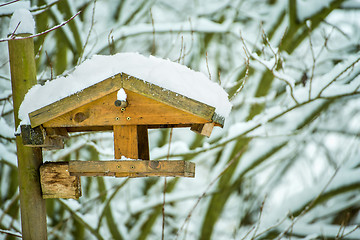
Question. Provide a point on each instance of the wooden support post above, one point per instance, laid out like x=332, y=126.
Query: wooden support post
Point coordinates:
x=143, y=142
x=131, y=141
x=23, y=77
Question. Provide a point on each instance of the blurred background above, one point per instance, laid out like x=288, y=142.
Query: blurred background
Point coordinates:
x=286, y=165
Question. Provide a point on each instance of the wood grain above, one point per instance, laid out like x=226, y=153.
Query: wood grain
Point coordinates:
x=56, y=181
x=133, y=168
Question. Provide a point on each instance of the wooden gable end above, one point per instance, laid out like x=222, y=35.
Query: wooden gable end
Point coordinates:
x=141, y=110
x=97, y=101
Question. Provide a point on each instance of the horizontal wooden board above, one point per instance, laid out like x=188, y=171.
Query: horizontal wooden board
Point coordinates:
x=133, y=168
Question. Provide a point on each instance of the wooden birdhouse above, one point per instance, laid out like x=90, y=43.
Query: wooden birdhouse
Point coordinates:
x=126, y=105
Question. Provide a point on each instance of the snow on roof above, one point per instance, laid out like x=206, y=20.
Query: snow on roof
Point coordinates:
x=22, y=22
x=163, y=73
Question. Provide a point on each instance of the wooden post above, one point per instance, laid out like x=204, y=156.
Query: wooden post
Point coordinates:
x=131, y=141
x=23, y=77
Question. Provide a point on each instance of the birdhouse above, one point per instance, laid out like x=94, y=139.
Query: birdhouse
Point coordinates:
x=126, y=105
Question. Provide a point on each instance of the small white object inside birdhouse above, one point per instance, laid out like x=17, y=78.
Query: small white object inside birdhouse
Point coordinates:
x=121, y=95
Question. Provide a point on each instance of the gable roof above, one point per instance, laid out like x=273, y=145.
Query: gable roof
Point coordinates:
x=131, y=83
x=162, y=80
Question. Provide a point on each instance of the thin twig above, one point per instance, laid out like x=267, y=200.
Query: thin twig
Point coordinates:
x=207, y=65
x=164, y=192
x=153, y=28
x=188, y=217
x=272, y=69
x=50, y=64
x=4, y=4
x=339, y=75
x=13, y=33
x=44, y=32
x=259, y=221
x=271, y=119
x=247, y=65
x=10, y=233
x=314, y=62
x=107, y=203
x=310, y=205
x=89, y=33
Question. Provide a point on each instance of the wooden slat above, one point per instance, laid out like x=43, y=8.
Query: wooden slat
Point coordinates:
x=140, y=111
x=203, y=129
x=76, y=100
x=110, y=128
x=168, y=97
x=56, y=181
x=143, y=142
x=126, y=142
x=40, y=137
x=133, y=168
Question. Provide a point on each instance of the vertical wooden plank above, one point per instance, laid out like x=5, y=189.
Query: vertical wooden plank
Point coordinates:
x=126, y=141
x=32, y=205
x=143, y=142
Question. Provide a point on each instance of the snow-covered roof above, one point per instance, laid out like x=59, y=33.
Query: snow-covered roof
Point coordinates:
x=163, y=73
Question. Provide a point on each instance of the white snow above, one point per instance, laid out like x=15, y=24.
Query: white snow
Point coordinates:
x=10, y=8
x=5, y=130
x=22, y=22
x=121, y=95
x=164, y=73
x=306, y=9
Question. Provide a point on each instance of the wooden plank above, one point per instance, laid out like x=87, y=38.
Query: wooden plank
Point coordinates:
x=76, y=100
x=203, y=129
x=126, y=142
x=110, y=128
x=133, y=168
x=143, y=142
x=56, y=181
x=168, y=97
x=40, y=137
x=140, y=111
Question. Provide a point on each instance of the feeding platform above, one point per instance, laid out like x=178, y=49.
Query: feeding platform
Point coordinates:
x=98, y=107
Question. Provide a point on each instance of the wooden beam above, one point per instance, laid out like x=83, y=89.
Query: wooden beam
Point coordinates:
x=56, y=181
x=133, y=168
x=131, y=142
x=168, y=97
x=49, y=138
x=203, y=129
x=143, y=142
x=126, y=142
x=76, y=100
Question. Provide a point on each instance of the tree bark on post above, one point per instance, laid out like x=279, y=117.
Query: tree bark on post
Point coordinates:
x=32, y=205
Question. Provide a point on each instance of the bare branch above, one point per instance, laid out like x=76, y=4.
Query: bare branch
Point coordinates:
x=338, y=76
x=4, y=4
x=207, y=65
x=228, y=165
x=89, y=33
x=44, y=32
